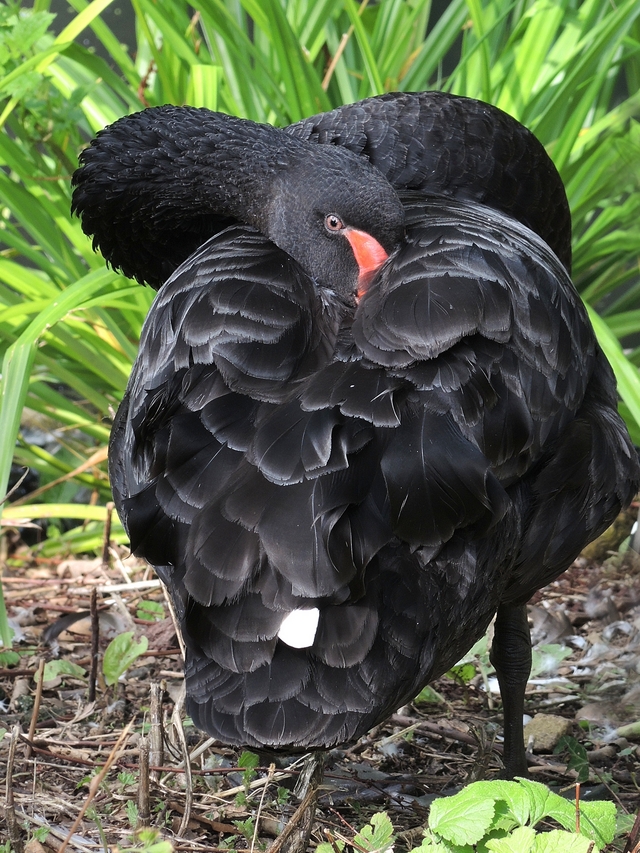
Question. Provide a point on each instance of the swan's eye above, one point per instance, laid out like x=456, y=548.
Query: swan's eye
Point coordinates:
x=333, y=222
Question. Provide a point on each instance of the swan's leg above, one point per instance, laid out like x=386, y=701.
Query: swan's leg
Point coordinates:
x=511, y=657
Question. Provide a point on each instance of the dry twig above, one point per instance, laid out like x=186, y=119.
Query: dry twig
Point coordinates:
x=36, y=706
x=144, y=806
x=176, y=721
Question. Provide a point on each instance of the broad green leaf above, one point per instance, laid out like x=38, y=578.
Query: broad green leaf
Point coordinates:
x=521, y=840
x=56, y=668
x=541, y=800
x=598, y=821
x=517, y=800
x=464, y=818
x=557, y=841
x=121, y=652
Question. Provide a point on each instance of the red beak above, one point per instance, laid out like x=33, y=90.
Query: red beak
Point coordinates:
x=369, y=256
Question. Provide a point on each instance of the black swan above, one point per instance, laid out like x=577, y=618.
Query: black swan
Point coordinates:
x=369, y=412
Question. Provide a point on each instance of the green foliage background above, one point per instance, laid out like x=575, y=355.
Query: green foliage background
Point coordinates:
x=568, y=69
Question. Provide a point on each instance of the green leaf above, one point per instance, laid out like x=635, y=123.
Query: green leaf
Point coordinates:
x=81, y=21
x=82, y=512
x=541, y=800
x=9, y=659
x=578, y=759
x=516, y=802
x=558, y=841
x=598, y=821
x=132, y=813
x=463, y=672
x=56, y=668
x=464, y=818
x=24, y=85
x=248, y=760
x=28, y=27
x=19, y=358
x=377, y=836
x=521, y=840
x=121, y=652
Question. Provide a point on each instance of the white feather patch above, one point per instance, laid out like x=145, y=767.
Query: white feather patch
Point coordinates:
x=298, y=628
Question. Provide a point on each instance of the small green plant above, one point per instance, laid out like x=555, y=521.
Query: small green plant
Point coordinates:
x=125, y=778
x=41, y=833
x=132, y=813
x=9, y=659
x=376, y=837
x=476, y=659
x=248, y=761
x=501, y=817
x=283, y=795
x=246, y=828
x=121, y=652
